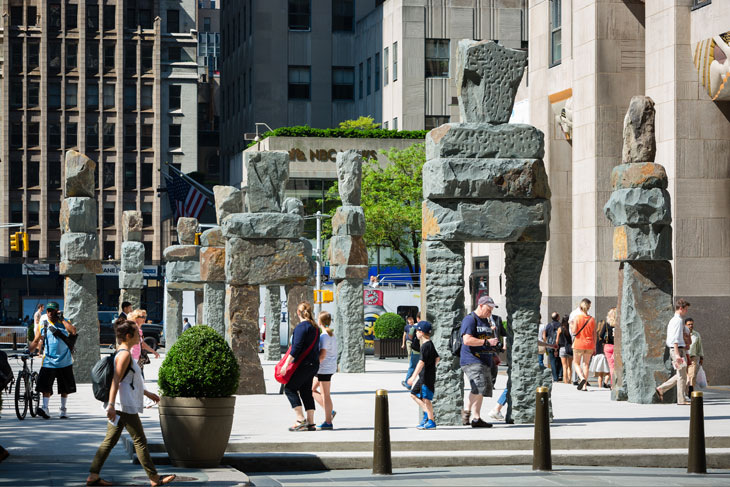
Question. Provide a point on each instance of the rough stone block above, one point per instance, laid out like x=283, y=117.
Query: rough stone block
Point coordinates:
x=78, y=215
x=642, y=242
x=646, y=175
x=173, y=316
x=487, y=78
x=80, y=308
x=296, y=294
x=268, y=262
x=242, y=334
x=228, y=200
x=636, y=206
x=350, y=317
x=79, y=175
x=132, y=256
x=272, y=313
x=186, y=230
x=338, y=272
x=183, y=271
x=293, y=205
x=348, y=220
x=214, y=306
x=132, y=226
x=79, y=247
x=212, y=237
x=349, y=177
x=87, y=267
x=213, y=264
x=132, y=296
x=263, y=225
x=485, y=178
x=267, y=174
x=131, y=280
x=485, y=141
x=488, y=221
x=639, y=140
x=181, y=253
x=347, y=250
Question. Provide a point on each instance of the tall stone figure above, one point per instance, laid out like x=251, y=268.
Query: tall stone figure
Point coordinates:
x=640, y=209
x=264, y=247
x=131, y=278
x=484, y=181
x=80, y=260
x=349, y=263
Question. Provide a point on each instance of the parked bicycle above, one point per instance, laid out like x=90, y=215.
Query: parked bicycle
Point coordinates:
x=26, y=395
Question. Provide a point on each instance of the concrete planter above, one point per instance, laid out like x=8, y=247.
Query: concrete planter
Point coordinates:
x=388, y=348
x=196, y=430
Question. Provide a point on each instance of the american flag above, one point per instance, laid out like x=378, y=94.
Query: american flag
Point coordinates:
x=185, y=199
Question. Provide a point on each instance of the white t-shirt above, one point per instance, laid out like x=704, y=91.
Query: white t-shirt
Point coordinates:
x=329, y=364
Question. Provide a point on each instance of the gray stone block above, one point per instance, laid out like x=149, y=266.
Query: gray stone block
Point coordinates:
x=338, y=272
x=488, y=221
x=639, y=140
x=348, y=220
x=183, y=271
x=263, y=225
x=214, y=306
x=186, y=230
x=242, y=334
x=132, y=296
x=86, y=267
x=131, y=280
x=132, y=226
x=181, y=253
x=642, y=242
x=349, y=177
x=80, y=308
x=228, y=200
x=173, y=316
x=646, y=175
x=268, y=262
x=79, y=175
x=636, y=206
x=485, y=178
x=293, y=205
x=347, y=250
x=267, y=174
x=272, y=312
x=132, y=256
x=212, y=237
x=485, y=141
x=78, y=215
x=487, y=77
x=79, y=247
x=350, y=316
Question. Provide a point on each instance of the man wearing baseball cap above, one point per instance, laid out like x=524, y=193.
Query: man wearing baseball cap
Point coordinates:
x=478, y=342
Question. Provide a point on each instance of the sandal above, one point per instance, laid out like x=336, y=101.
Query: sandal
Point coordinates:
x=98, y=481
x=164, y=480
x=301, y=426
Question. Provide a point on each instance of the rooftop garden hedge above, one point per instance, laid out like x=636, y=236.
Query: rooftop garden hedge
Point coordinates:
x=305, y=131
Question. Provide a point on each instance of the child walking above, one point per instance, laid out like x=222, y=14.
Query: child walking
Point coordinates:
x=423, y=380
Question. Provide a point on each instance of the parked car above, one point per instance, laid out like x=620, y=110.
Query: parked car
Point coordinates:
x=153, y=334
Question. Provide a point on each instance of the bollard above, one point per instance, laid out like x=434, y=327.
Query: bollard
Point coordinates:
x=696, y=460
x=15, y=340
x=541, y=455
x=382, y=461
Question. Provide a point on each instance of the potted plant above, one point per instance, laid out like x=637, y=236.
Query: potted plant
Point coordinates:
x=197, y=381
x=388, y=332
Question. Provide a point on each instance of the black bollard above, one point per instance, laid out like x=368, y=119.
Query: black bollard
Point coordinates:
x=382, y=462
x=541, y=455
x=696, y=460
x=15, y=340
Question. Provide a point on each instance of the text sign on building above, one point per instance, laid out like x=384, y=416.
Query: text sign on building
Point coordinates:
x=325, y=155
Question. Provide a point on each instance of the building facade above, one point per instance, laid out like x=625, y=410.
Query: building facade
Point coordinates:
x=209, y=46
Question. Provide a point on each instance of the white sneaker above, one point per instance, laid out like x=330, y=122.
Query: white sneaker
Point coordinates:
x=496, y=415
x=63, y=414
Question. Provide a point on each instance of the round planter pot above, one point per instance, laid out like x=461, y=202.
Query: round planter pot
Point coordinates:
x=196, y=430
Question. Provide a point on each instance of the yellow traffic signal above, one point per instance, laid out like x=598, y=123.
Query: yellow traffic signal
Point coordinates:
x=197, y=238
x=15, y=242
x=26, y=242
x=323, y=296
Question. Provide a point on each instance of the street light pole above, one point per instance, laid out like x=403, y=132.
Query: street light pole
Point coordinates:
x=318, y=259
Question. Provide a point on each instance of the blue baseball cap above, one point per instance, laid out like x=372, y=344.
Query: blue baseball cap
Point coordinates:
x=424, y=326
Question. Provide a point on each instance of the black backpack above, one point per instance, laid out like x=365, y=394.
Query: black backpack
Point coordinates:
x=102, y=376
x=455, y=340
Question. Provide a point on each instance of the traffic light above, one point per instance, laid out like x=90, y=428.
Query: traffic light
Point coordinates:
x=15, y=242
x=323, y=296
x=197, y=238
x=26, y=242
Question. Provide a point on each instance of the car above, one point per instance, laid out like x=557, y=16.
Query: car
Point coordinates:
x=152, y=332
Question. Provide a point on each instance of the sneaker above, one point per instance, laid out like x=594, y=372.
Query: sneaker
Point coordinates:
x=334, y=413
x=405, y=384
x=465, y=417
x=325, y=426
x=423, y=421
x=428, y=425
x=42, y=413
x=63, y=414
x=496, y=415
x=480, y=423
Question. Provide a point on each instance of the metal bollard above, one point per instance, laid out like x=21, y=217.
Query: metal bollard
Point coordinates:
x=15, y=340
x=382, y=461
x=541, y=454
x=696, y=460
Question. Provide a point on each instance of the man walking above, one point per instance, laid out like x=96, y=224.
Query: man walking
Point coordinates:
x=550, y=337
x=696, y=355
x=57, y=361
x=675, y=342
x=478, y=342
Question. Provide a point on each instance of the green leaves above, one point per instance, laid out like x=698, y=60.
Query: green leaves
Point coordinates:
x=353, y=133
x=362, y=123
x=389, y=325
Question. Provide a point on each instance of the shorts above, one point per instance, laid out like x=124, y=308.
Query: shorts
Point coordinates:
x=564, y=353
x=480, y=378
x=422, y=391
x=324, y=377
x=64, y=376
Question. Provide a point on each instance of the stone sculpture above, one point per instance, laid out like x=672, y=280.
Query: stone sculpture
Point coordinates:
x=131, y=279
x=640, y=210
x=484, y=181
x=80, y=260
x=262, y=248
x=349, y=263
x=213, y=275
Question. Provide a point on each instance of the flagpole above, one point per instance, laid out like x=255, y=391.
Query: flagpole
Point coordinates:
x=210, y=196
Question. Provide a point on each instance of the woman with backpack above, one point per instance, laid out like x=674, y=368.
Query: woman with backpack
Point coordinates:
x=565, y=350
x=126, y=401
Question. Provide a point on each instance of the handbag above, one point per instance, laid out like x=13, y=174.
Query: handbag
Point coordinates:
x=143, y=359
x=701, y=379
x=285, y=378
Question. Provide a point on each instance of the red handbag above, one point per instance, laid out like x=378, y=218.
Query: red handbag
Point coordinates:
x=284, y=379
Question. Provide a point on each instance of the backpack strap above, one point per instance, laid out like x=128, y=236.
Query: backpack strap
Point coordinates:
x=129, y=367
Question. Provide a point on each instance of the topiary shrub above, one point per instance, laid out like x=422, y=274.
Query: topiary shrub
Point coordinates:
x=389, y=325
x=199, y=364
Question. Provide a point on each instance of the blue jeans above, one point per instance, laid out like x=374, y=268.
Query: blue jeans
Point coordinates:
x=503, y=398
x=556, y=366
x=541, y=360
x=412, y=362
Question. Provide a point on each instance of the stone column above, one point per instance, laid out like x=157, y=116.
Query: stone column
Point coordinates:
x=213, y=275
x=296, y=294
x=242, y=334
x=80, y=260
x=173, y=316
x=182, y=273
x=131, y=276
x=199, y=298
x=272, y=313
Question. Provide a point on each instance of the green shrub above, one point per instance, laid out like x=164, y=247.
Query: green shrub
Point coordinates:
x=199, y=364
x=306, y=131
x=389, y=325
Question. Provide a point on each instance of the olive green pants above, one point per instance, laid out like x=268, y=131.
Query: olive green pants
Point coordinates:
x=134, y=427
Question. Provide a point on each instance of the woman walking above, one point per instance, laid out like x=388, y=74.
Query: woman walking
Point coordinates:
x=583, y=328
x=599, y=364
x=607, y=338
x=305, y=343
x=327, y=368
x=139, y=316
x=126, y=398
x=565, y=350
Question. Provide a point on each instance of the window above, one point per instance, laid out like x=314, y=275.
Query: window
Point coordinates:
x=54, y=57
x=433, y=121
x=174, y=97
x=300, y=14
x=16, y=16
x=109, y=54
x=146, y=138
x=54, y=95
x=54, y=17
x=109, y=95
x=300, y=78
x=92, y=135
x=147, y=220
x=359, y=82
x=250, y=86
x=54, y=135
x=16, y=134
x=377, y=71
x=92, y=58
x=32, y=136
x=92, y=19
x=145, y=18
x=343, y=14
x=16, y=94
x=72, y=16
x=72, y=90
x=700, y=3
x=33, y=215
x=437, y=58
x=146, y=58
x=109, y=17
x=92, y=96
x=173, y=139
x=33, y=53
x=131, y=19
x=54, y=246
x=71, y=134
x=16, y=211
x=108, y=135
x=16, y=55
x=16, y=177
x=71, y=55
x=33, y=88
x=555, y=32
x=108, y=221
x=395, y=123
x=108, y=175
x=206, y=24
x=395, y=62
x=146, y=99
x=173, y=54
x=343, y=83
x=32, y=15
x=108, y=250
x=130, y=136
x=370, y=75
x=130, y=97
x=146, y=175
x=130, y=58
x=130, y=176
x=54, y=210
x=54, y=181
x=32, y=172
x=173, y=20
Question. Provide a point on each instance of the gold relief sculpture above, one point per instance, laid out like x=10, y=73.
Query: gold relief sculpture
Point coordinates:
x=712, y=59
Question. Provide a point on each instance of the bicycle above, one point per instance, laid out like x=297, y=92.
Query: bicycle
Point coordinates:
x=26, y=395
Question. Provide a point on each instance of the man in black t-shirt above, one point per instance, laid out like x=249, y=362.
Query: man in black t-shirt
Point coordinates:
x=423, y=387
x=550, y=337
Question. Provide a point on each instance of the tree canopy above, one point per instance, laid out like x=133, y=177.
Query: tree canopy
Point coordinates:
x=362, y=123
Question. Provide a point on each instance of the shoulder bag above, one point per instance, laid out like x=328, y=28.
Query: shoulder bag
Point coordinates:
x=285, y=378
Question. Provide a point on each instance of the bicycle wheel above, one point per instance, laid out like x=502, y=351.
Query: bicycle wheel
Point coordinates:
x=35, y=396
x=21, y=403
